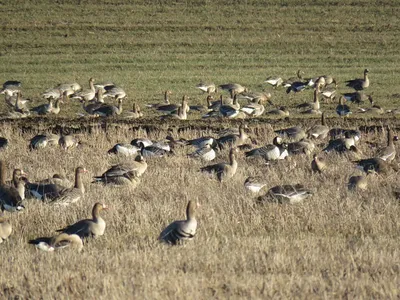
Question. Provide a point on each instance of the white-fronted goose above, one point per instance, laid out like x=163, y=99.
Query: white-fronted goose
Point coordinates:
x=257, y=97
x=254, y=109
x=67, y=142
x=287, y=194
x=315, y=109
x=388, y=153
x=52, y=94
x=87, y=94
x=224, y=171
x=119, y=175
x=341, y=132
x=234, y=140
x=180, y=231
x=153, y=151
x=357, y=182
x=135, y=113
x=278, y=150
x=359, y=84
x=374, y=109
x=180, y=113
x=274, y=81
x=138, y=142
x=114, y=91
x=65, y=240
x=108, y=110
x=293, y=133
x=124, y=149
x=329, y=93
x=342, y=109
x=319, y=131
x=94, y=227
x=103, y=85
x=206, y=153
x=253, y=184
x=208, y=88
x=280, y=111
x=10, y=198
x=5, y=228
x=17, y=102
x=170, y=108
x=233, y=88
x=318, y=164
x=74, y=194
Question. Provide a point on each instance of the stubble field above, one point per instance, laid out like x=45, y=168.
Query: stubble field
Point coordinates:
x=336, y=244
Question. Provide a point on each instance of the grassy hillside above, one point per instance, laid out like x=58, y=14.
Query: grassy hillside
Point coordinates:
x=337, y=244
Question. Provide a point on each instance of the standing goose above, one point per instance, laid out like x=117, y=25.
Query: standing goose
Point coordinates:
x=389, y=152
x=5, y=228
x=230, y=110
x=87, y=94
x=224, y=171
x=180, y=113
x=94, y=227
x=180, y=231
x=10, y=198
x=319, y=131
x=74, y=194
x=359, y=84
x=170, y=108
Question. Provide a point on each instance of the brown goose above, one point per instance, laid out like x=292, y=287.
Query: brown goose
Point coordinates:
x=233, y=88
x=94, y=227
x=91, y=106
x=108, y=110
x=10, y=198
x=87, y=94
x=359, y=84
x=68, y=142
x=135, y=113
x=234, y=140
x=388, y=153
x=357, y=182
x=5, y=228
x=224, y=171
x=318, y=164
x=319, y=131
x=63, y=240
x=180, y=231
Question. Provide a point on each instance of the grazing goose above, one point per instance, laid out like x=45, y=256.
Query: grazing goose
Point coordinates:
x=274, y=81
x=135, y=113
x=318, y=164
x=67, y=142
x=108, y=110
x=278, y=150
x=119, y=175
x=319, y=131
x=359, y=84
x=10, y=198
x=224, y=171
x=124, y=149
x=257, y=97
x=87, y=94
x=342, y=144
x=74, y=194
x=180, y=231
x=304, y=146
x=374, y=165
x=114, y=91
x=388, y=153
x=208, y=88
x=94, y=227
x=357, y=183
x=293, y=133
x=5, y=228
x=287, y=194
x=42, y=140
x=253, y=184
x=234, y=140
x=280, y=111
x=233, y=88
x=342, y=109
x=206, y=153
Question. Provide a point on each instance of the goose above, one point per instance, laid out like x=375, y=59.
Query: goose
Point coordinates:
x=253, y=184
x=45, y=190
x=67, y=142
x=18, y=182
x=10, y=198
x=318, y=164
x=357, y=97
x=289, y=193
x=257, y=97
x=119, y=175
x=10, y=88
x=13, y=83
x=319, y=131
x=124, y=149
x=42, y=140
x=208, y=88
x=388, y=153
x=180, y=231
x=374, y=165
x=52, y=94
x=295, y=84
x=374, y=109
x=304, y=146
x=154, y=151
x=340, y=132
x=103, y=85
x=254, y=109
x=181, y=113
x=359, y=84
x=114, y=91
x=288, y=82
x=328, y=93
x=223, y=171
x=341, y=145
x=70, y=87
x=94, y=104
x=280, y=111
x=108, y=110
x=57, y=179
x=233, y=88
x=201, y=142
x=87, y=94
x=206, y=153
x=357, y=182
x=135, y=113
x=342, y=109
x=234, y=140
x=138, y=142
x=274, y=81
x=230, y=110
x=55, y=109
x=17, y=102
x=293, y=133
x=44, y=109
x=94, y=227
x=315, y=106
x=213, y=105
x=278, y=150
x=167, y=93
x=74, y=194
x=65, y=240
x=5, y=228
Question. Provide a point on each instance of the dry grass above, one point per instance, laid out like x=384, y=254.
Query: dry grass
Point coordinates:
x=335, y=244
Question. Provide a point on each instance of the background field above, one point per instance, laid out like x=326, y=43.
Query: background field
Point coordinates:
x=335, y=245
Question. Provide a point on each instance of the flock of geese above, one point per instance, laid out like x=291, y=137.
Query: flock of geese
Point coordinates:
x=288, y=142
x=93, y=99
